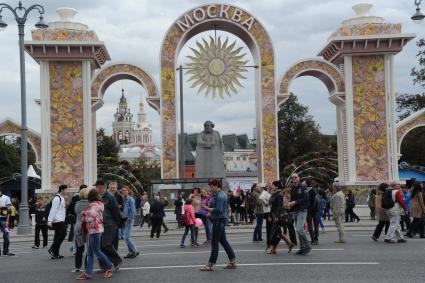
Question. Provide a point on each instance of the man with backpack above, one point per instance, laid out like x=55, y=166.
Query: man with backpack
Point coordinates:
x=56, y=211
x=393, y=203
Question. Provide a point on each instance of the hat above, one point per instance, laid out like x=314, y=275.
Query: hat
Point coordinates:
x=99, y=182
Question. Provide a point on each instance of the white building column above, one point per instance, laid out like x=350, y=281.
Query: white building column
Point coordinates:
x=391, y=118
x=46, y=169
x=87, y=120
x=351, y=150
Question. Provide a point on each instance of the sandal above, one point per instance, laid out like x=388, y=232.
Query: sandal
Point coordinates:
x=231, y=265
x=83, y=276
x=290, y=246
x=207, y=268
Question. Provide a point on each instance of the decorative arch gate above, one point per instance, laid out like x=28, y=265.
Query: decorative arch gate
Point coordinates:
x=245, y=26
x=69, y=53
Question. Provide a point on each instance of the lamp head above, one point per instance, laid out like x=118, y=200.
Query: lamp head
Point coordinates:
x=41, y=24
x=3, y=25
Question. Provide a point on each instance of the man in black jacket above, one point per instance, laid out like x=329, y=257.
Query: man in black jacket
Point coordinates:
x=299, y=206
x=312, y=213
x=111, y=220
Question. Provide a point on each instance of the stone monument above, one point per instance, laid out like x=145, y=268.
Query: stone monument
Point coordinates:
x=209, y=153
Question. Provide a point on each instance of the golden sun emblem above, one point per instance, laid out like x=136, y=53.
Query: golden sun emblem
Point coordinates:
x=216, y=67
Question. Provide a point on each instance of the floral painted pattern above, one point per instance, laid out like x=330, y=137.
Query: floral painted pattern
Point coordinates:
x=370, y=129
x=368, y=29
x=10, y=128
x=63, y=34
x=66, y=123
x=268, y=98
x=332, y=73
x=109, y=74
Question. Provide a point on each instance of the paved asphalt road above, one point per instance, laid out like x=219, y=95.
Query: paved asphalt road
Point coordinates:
x=359, y=260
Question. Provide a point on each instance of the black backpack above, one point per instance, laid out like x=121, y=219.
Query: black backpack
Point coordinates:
x=387, y=199
x=49, y=205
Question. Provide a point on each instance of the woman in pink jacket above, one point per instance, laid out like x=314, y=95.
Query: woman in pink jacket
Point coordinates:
x=92, y=229
x=189, y=214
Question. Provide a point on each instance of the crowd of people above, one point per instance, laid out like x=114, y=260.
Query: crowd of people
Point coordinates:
x=100, y=216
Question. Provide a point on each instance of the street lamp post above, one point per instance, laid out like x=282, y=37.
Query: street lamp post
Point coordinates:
x=24, y=225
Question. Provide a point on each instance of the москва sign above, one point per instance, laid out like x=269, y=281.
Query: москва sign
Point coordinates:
x=211, y=12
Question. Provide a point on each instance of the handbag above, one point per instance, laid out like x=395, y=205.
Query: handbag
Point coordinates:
x=183, y=220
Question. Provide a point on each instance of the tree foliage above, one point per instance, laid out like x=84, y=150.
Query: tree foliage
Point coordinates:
x=412, y=147
x=107, y=149
x=300, y=139
x=298, y=133
x=10, y=156
x=136, y=174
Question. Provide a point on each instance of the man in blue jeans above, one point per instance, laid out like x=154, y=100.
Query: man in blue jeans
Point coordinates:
x=258, y=211
x=218, y=209
x=5, y=205
x=299, y=206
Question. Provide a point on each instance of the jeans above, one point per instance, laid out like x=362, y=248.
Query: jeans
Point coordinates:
x=219, y=236
x=126, y=233
x=93, y=248
x=207, y=224
x=60, y=235
x=192, y=234
x=5, y=232
x=394, y=231
x=258, y=228
x=300, y=217
x=43, y=229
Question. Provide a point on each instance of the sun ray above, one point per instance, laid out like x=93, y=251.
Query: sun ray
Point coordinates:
x=216, y=67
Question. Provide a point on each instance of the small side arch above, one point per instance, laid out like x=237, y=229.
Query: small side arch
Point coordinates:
x=123, y=71
x=9, y=127
x=412, y=122
x=328, y=73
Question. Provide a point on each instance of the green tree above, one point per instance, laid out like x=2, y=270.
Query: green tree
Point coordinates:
x=10, y=156
x=107, y=150
x=299, y=134
x=412, y=147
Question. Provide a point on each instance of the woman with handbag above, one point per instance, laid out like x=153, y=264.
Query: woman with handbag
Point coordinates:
x=92, y=229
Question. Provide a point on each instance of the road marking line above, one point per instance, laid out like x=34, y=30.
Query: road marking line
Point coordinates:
x=209, y=251
x=251, y=264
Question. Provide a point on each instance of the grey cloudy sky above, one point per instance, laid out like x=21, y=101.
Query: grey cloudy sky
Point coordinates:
x=134, y=29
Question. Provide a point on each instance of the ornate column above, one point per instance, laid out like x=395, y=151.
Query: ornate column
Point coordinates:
x=68, y=53
x=365, y=45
